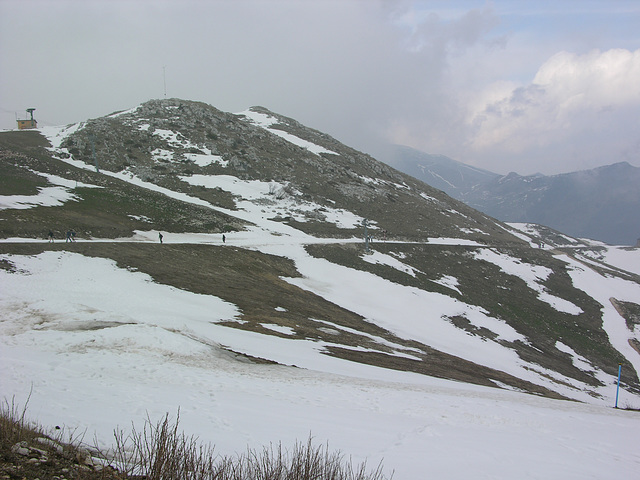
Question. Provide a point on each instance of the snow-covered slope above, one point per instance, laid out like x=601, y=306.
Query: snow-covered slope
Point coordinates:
x=111, y=328
x=114, y=352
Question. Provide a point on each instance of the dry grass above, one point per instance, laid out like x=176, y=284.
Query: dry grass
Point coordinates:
x=13, y=424
x=160, y=451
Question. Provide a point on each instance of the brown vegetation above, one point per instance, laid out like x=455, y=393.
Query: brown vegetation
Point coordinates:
x=158, y=452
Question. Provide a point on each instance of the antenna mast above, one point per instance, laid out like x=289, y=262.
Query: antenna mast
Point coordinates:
x=164, y=79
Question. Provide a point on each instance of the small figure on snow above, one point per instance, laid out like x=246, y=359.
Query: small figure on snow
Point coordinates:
x=50, y=236
x=224, y=239
x=68, y=236
x=160, y=236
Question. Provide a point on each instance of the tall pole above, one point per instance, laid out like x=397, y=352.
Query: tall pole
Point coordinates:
x=164, y=79
x=618, y=387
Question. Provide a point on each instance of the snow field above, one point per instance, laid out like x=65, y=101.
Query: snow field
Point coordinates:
x=102, y=347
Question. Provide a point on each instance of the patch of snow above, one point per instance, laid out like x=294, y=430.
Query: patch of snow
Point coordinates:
x=330, y=331
x=267, y=121
x=578, y=360
x=162, y=155
x=141, y=218
x=259, y=198
x=472, y=230
x=279, y=328
x=532, y=275
x=529, y=231
x=203, y=160
x=46, y=196
x=449, y=282
x=123, y=112
x=624, y=258
x=65, y=182
x=336, y=328
x=376, y=257
x=169, y=136
x=179, y=141
x=455, y=212
x=56, y=135
x=371, y=181
x=428, y=197
x=454, y=241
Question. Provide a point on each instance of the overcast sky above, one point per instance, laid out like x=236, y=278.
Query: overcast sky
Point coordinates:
x=508, y=85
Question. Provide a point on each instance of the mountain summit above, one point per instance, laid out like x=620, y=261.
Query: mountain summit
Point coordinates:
x=169, y=141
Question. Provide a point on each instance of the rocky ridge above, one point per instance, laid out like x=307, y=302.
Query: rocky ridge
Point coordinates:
x=162, y=140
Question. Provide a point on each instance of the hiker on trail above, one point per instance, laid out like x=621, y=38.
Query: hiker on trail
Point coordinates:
x=68, y=236
x=160, y=236
x=50, y=236
x=224, y=239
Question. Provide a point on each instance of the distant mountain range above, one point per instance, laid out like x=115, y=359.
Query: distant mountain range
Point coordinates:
x=601, y=204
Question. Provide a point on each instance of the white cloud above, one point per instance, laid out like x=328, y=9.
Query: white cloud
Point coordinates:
x=574, y=100
x=603, y=78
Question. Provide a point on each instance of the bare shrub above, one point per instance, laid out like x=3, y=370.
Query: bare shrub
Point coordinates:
x=160, y=452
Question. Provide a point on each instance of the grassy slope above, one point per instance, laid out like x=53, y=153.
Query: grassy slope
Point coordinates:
x=106, y=212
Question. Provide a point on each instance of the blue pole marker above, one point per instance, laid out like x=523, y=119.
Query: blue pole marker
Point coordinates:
x=618, y=387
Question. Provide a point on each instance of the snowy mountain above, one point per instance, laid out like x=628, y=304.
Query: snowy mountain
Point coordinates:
x=262, y=311
x=454, y=178
x=601, y=204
